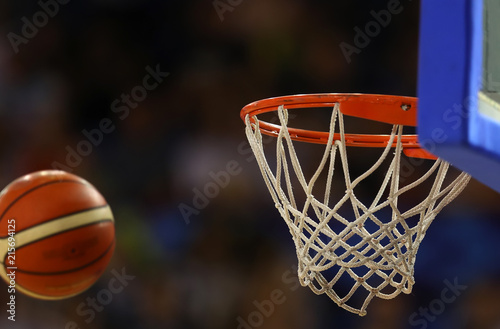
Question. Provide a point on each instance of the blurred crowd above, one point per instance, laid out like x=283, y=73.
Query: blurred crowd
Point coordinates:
x=211, y=270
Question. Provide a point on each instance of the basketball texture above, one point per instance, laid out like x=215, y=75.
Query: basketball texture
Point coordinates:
x=64, y=234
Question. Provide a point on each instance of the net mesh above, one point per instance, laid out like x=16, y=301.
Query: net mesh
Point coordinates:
x=366, y=252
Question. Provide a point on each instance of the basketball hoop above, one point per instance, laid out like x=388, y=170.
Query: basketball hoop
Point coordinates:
x=372, y=249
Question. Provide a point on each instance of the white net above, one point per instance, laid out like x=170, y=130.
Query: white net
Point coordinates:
x=368, y=251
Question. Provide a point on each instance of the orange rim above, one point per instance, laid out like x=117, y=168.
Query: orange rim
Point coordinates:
x=400, y=110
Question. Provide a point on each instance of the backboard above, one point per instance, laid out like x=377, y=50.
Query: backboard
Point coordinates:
x=459, y=85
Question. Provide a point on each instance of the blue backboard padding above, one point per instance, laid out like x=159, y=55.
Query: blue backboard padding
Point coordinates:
x=482, y=165
x=443, y=69
x=450, y=73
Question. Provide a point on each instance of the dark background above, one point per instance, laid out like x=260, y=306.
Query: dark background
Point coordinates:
x=207, y=270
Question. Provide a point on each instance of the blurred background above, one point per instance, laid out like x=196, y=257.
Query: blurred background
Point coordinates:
x=213, y=262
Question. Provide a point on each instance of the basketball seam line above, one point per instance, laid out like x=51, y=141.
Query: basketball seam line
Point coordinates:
x=56, y=218
x=74, y=269
x=37, y=187
x=59, y=232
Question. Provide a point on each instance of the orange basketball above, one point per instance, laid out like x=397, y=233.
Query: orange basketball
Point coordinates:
x=57, y=234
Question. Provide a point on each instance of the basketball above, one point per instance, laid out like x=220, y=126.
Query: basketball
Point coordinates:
x=57, y=235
